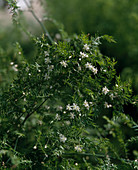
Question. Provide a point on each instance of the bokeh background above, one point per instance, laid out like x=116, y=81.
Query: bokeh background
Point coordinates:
x=118, y=18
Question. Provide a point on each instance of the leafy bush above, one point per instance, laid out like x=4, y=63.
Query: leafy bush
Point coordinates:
x=65, y=110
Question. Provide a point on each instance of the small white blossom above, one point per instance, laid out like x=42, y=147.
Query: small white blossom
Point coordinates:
x=67, y=123
x=46, y=53
x=95, y=43
x=112, y=96
x=75, y=107
x=64, y=63
x=78, y=148
x=106, y=105
x=11, y=63
x=58, y=36
x=57, y=117
x=105, y=90
x=86, y=47
x=87, y=65
x=83, y=55
x=14, y=68
x=50, y=68
x=70, y=57
x=86, y=104
x=59, y=108
x=45, y=146
x=47, y=60
x=91, y=67
x=72, y=115
x=35, y=147
x=68, y=107
x=95, y=70
x=62, y=138
x=46, y=77
x=16, y=65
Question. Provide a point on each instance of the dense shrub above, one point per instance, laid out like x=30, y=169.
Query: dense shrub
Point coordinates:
x=65, y=110
x=52, y=113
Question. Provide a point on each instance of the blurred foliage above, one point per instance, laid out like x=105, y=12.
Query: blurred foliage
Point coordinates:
x=10, y=55
x=118, y=18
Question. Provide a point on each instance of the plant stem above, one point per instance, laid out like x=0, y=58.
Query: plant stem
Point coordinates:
x=34, y=111
x=38, y=20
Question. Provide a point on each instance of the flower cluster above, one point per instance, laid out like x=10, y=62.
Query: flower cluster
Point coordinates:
x=91, y=67
x=74, y=107
x=106, y=105
x=105, y=90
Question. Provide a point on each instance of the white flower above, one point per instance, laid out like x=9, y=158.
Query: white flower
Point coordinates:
x=14, y=68
x=106, y=105
x=86, y=47
x=86, y=104
x=95, y=43
x=91, y=67
x=105, y=90
x=58, y=36
x=64, y=63
x=112, y=96
x=59, y=108
x=87, y=65
x=67, y=123
x=11, y=63
x=62, y=138
x=46, y=77
x=35, y=147
x=83, y=55
x=47, y=60
x=50, y=68
x=57, y=117
x=72, y=115
x=46, y=53
x=95, y=70
x=45, y=146
x=68, y=107
x=75, y=107
x=78, y=148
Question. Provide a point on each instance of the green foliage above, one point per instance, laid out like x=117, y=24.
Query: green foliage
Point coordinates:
x=66, y=109
x=54, y=104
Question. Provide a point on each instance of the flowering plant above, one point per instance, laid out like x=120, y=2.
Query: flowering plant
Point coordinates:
x=60, y=110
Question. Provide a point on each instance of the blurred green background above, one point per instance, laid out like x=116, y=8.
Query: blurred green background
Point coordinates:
x=118, y=18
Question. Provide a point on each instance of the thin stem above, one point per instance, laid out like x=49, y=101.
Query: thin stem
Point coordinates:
x=38, y=20
x=34, y=111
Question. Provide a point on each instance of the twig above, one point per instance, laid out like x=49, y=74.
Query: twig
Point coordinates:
x=33, y=111
x=38, y=20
